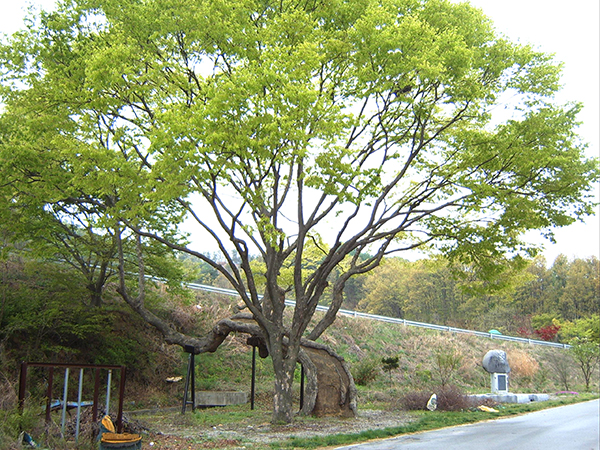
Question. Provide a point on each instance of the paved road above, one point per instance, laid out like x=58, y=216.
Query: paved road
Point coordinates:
x=564, y=428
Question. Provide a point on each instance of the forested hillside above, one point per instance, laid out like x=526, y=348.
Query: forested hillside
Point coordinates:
x=524, y=303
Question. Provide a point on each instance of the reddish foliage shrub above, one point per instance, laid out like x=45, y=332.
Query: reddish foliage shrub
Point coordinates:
x=524, y=332
x=547, y=333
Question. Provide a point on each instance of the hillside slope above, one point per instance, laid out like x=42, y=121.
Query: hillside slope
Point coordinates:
x=426, y=358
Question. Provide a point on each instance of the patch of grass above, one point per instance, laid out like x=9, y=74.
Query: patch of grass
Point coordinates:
x=216, y=416
x=511, y=409
x=208, y=416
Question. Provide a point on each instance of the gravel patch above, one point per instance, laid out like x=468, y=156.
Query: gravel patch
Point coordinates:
x=243, y=435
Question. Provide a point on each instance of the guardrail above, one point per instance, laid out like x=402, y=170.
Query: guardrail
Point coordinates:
x=410, y=323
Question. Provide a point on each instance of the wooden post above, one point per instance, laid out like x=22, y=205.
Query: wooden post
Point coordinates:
x=22, y=385
x=49, y=393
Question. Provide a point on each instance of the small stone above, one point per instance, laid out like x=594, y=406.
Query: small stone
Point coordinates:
x=432, y=403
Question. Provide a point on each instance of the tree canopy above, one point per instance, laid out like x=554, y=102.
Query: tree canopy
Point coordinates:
x=368, y=124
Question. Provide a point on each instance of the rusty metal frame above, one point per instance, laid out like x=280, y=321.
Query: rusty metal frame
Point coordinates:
x=97, y=367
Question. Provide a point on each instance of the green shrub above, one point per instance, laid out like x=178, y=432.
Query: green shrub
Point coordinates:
x=389, y=364
x=423, y=376
x=587, y=355
x=447, y=361
x=365, y=371
x=13, y=421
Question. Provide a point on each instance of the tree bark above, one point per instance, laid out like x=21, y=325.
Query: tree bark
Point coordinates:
x=282, y=400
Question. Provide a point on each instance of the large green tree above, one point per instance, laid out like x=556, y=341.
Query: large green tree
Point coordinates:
x=53, y=208
x=369, y=123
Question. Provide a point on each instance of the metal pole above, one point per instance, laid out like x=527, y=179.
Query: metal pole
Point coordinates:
x=301, y=386
x=187, y=384
x=108, y=392
x=193, y=382
x=79, y=396
x=96, y=395
x=121, y=395
x=253, y=382
x=64, y=406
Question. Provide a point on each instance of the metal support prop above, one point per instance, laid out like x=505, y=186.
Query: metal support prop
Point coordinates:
x=193, y=383
x=253, y=381
x=301, y=387
x=121, y=396
x=96, y=394
x=190, y=381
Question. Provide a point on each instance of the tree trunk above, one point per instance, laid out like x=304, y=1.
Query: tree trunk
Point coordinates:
x=95, y=297
x=284, y=363
x=282, y=400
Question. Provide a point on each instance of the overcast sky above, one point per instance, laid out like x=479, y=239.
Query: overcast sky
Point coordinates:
x=570, y=30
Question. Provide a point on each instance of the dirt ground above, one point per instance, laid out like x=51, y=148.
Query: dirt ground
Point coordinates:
x=175, y=431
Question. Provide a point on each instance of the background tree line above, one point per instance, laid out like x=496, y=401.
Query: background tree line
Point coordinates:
x=526, y=303
x=535, y=300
